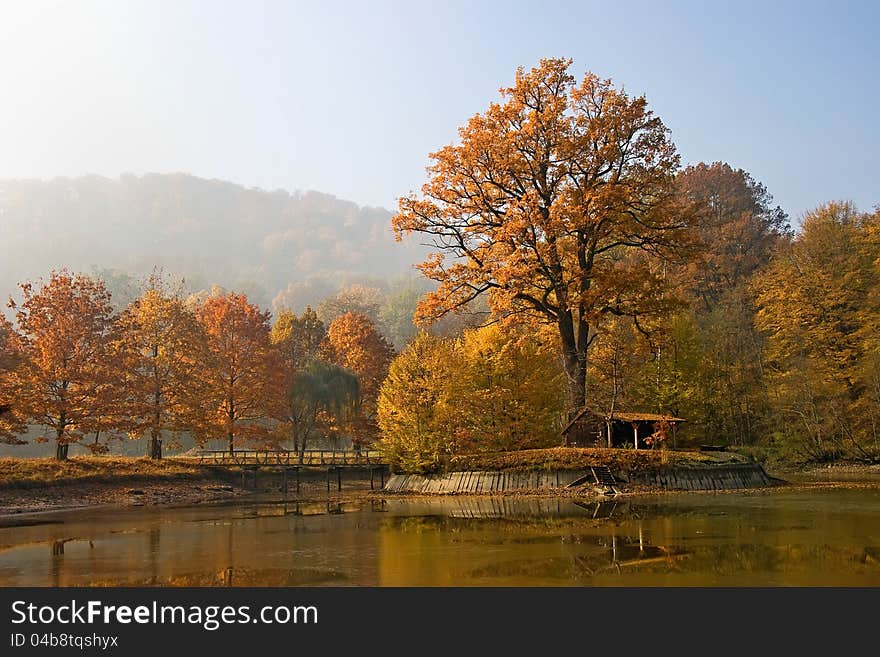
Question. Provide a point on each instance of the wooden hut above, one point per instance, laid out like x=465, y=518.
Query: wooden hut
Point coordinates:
x=590, y=428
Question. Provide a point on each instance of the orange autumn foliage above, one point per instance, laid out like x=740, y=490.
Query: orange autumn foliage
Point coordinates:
x=10, y=358
x=67, y=376
x=556, y=203
x=243, y=374
x=354, y=343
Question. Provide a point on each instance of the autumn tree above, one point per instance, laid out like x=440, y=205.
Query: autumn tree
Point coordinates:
x=313, y=395
x=11, y=424
x=243, y=377
x=492, y=389
x=541, y=203
x=354, y=343
x=298, y=338
x=705, y=361
x=508, y=389
x=63, y=380
x=163, y=349
x=738, y=231
x=414, y=411
x=818, y=305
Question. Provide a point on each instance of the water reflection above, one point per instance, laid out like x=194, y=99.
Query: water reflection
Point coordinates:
x=821, y=537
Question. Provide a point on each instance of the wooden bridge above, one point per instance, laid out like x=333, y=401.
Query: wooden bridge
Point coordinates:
x=282, y=457
x=293, y=461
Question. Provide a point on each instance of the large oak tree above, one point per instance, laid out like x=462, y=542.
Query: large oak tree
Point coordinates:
x=555, y=203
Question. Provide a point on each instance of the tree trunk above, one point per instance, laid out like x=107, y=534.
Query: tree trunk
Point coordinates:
x=61, y=446
x=574, y=359
x=156, y=433
x=155, y=446
x=230, y=415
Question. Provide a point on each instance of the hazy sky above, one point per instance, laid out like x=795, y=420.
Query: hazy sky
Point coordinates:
x=350, y=97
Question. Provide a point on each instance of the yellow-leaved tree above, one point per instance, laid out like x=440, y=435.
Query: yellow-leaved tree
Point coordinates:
x=414, y=410
x=508, y=389
x=493, y=389
x=818, y=305
x=163, y=350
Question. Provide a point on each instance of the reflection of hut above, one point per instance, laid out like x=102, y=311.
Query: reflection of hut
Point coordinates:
x=591, y=429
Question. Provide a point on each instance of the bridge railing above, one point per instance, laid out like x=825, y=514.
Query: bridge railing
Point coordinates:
x=290, y=457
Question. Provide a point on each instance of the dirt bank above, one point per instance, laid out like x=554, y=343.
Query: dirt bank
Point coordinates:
x=34, y=485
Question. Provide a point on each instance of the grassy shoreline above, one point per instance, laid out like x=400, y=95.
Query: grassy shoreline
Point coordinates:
x=37, y=472
x=577, y=458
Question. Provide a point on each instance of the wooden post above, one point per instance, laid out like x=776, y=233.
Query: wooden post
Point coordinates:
x=382, y=477
x=338, y=479
x=328, y=480
x=371, y=478
x=636, y=435
x=297, y=480
x=284, y=485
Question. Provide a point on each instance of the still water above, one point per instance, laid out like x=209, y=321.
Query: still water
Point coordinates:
x=795, y=537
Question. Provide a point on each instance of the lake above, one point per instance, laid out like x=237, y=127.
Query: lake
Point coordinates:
x=799, y=536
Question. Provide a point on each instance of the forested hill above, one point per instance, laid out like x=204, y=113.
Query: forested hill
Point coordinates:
x=277, y=246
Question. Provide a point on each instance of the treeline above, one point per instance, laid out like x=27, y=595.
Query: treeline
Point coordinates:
x=774, y=343
x=215, y=368
x=764, y=338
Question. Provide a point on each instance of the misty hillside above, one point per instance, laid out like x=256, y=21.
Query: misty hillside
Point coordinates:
x=281, y=248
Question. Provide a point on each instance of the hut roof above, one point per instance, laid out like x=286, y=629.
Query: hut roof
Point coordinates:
x=625, y=416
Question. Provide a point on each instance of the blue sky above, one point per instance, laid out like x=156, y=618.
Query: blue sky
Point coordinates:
x=350, y=97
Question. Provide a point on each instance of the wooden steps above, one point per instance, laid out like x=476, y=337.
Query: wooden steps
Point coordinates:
x=600, y=475
x=603, y=476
